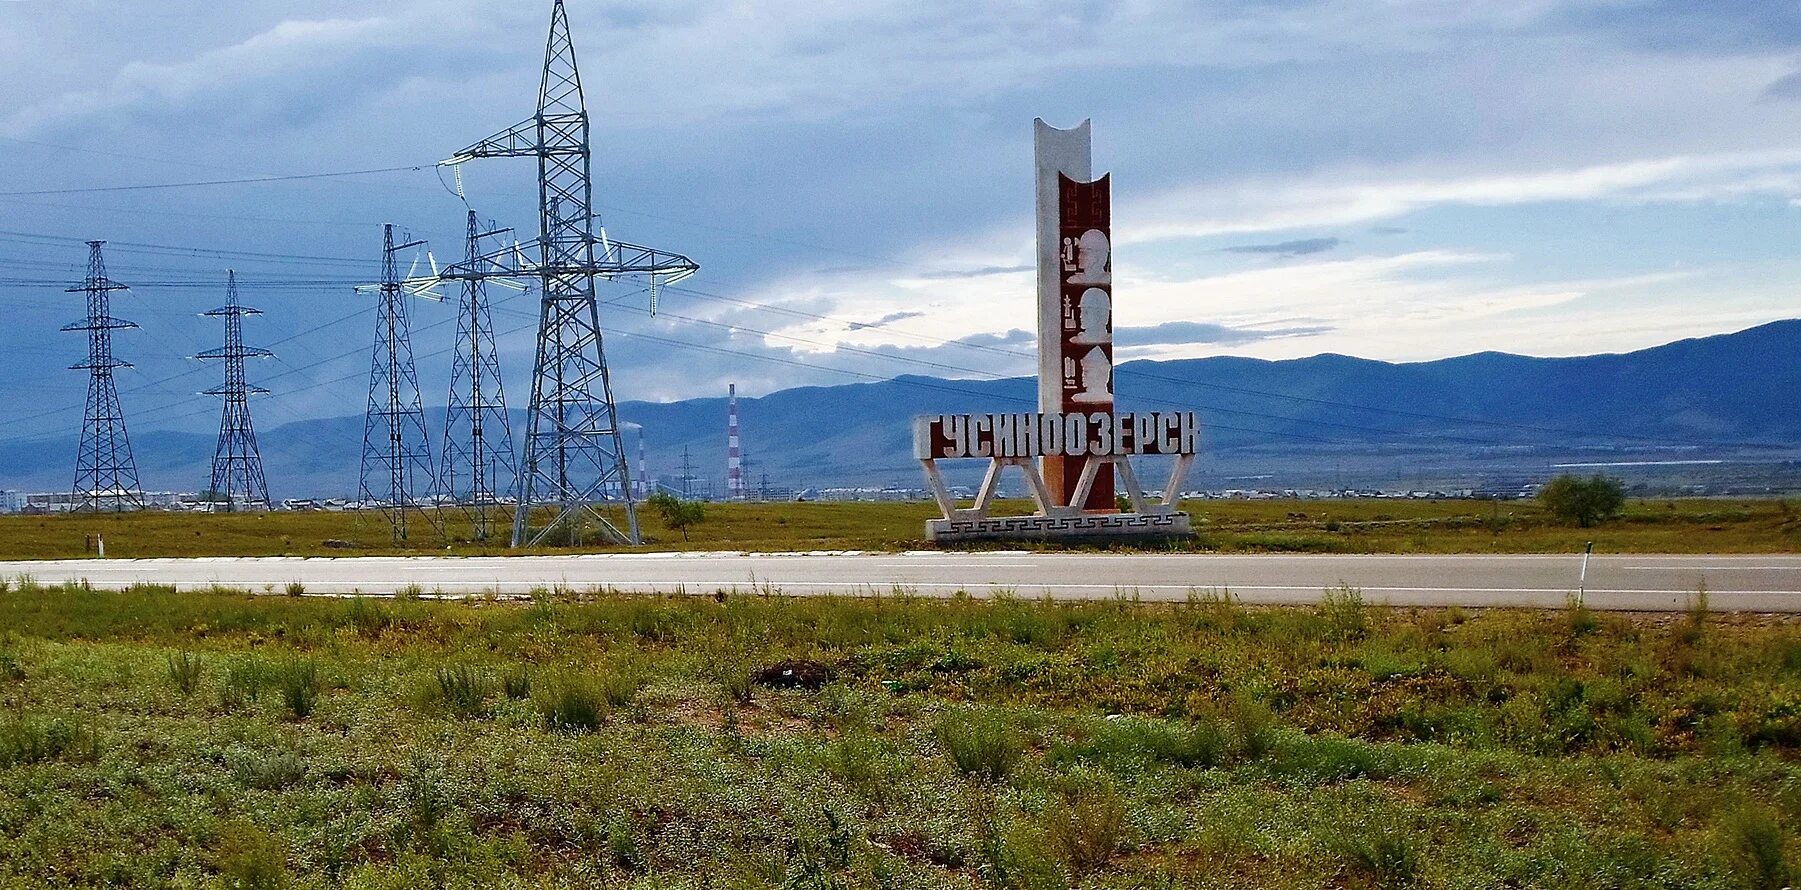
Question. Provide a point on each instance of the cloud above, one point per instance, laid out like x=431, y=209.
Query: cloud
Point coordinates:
x=1346, y=197
x=1786, y=87
x=1286, y=249
x=890, y=318
x=983, y=272
x=1192, y=332
x=1686, y=27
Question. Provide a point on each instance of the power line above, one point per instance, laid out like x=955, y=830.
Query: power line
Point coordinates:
x=204, y=183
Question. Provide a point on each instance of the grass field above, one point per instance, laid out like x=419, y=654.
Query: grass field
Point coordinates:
x=1369, y=526
x=151, y=739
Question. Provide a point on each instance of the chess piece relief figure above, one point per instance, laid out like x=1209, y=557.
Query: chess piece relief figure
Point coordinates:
x=1095, y=315
x=1093, y=259
x=1097, y=379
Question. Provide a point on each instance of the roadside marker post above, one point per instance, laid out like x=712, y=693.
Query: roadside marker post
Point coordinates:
x=1582, y=582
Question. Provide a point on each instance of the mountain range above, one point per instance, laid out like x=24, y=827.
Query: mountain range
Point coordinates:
x=1318, y=421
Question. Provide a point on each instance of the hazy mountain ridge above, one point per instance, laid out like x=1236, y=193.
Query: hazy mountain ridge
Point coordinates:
x=1692, y=397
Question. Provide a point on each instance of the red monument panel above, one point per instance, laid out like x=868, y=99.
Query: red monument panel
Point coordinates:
x=1085, y=267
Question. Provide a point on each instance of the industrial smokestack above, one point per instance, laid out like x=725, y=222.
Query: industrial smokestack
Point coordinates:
x=734, y=456
x=643, y=473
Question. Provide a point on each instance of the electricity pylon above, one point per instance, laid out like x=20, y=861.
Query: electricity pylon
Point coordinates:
x=574, y=456
x=237, y=464
x=478, y=439
x=106, y=475
x=396, y=452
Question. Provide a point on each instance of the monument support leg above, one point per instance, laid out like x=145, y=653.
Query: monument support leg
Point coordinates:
x=990, y=482
x=940, y=492
x=1172, y=493
x=1085, y=483
x=1040, y=492
x=1124, y=466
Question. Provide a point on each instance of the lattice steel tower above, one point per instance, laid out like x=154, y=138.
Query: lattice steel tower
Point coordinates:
x=237, y=464
x=396, y=452
x=478, y=439
x=106, y=476
x=574, y=457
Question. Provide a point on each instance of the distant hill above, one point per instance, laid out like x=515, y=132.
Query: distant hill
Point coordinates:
x=1353, y=419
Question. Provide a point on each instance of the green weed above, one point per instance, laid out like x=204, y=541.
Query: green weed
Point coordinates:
x=574, y=703
x=981, y=742
x=33, y=740
x=298, y=681
x=185, y=669
x=461, y=689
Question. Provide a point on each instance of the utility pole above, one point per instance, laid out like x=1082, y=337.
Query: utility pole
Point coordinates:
x=106, y=475
x=396, y=452
x=574, y=455
x=237, y=464
x=687, y=477
x=478, y=437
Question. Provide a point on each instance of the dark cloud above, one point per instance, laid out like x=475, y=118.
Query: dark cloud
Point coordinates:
x=1692, y=27
x=1301, y=247
x=977, y=273
x=1786, y=87
x=1184, y=332
x=890, y=318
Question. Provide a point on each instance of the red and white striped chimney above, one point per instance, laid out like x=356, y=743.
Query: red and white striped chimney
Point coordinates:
x=643, y=473
x=734, y=456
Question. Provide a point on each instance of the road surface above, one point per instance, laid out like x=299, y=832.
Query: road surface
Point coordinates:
x=1744, y=583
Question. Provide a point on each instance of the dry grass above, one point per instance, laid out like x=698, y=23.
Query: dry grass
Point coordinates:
x=959, y=743
x=1352, y=526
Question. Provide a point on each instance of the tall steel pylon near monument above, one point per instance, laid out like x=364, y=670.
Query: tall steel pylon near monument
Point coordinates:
x=106, y=475
x=237, y=464
x=574, y=458
x=478, y=438
x=396, y=451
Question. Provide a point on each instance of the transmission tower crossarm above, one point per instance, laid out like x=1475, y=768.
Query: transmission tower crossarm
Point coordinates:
x=626, y=259
x=518, y=141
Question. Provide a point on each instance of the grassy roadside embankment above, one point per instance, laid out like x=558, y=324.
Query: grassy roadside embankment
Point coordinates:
x=1351, y=526
x=148, y=738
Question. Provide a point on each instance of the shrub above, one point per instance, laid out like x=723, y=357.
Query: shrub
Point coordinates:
x=10, y=666
x=575, y=703
x=1346, y=616
x=24, y=740
x=621, y=687
x=1580, y=618
x=1695, y=626
x=244, y=682
x=1255, y=727
x=1583, y=501
x=1088, y=826
x=1385, y=851
x=295, y=588
x=184, y=671
x=299, y=684
x=1754, y=840
x=251, y=858
x=369, y=618
x=461, y=689
x=517, y=684
x=677, y=513
x=269, y=772
x=981, y=743
x=1204, y=742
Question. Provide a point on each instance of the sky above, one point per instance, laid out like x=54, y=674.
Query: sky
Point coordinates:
x=1395, y=179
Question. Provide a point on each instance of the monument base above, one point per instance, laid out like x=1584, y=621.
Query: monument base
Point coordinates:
x=1073, y=528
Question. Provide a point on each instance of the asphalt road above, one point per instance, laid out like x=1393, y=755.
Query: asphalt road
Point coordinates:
x=1743, y=583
